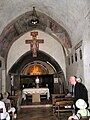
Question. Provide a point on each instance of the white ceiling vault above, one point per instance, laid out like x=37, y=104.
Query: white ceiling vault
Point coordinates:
x=72, y=15
x=65, y=21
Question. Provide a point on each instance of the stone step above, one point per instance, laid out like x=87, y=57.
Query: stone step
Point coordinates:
x=36, y=106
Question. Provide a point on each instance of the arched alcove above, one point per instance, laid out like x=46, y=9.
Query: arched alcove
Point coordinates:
x=43, y=59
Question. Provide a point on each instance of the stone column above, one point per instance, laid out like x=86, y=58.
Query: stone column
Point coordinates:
x=3, y=81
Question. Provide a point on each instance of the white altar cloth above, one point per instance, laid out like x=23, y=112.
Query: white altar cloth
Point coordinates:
x=41, y=91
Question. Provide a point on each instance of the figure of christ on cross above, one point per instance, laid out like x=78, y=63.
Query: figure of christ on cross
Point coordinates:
x=34, y=43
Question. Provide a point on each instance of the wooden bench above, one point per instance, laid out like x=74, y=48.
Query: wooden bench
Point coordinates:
x=54, y=97
x=63, y=99
x=64, y=107
x=13, y=100
x=60, y=95
x=85, y=118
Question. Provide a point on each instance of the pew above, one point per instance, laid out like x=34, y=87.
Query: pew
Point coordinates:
x=64, y=107
x=13, y=101
x=63, y=99
x=85, y=118
x=59, y=95
x=56, y=96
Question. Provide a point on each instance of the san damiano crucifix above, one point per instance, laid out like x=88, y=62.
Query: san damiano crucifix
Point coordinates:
x=34, y=43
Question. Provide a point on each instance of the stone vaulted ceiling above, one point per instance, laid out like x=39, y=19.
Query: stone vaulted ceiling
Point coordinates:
x=59, y=18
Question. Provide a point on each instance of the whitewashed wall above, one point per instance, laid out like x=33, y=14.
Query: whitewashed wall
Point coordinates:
x=82, y=67
x=50, y=46
x=86, y=62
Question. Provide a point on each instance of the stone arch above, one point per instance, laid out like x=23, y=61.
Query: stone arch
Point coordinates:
x=42, y=56
x=27, y=58
x=22, y=24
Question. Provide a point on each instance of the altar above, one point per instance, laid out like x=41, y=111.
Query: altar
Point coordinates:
x=35, y=91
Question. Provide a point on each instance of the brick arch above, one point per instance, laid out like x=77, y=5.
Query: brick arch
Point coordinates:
x=21, y=25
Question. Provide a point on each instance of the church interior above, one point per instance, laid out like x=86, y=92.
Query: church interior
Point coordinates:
x=43, y=43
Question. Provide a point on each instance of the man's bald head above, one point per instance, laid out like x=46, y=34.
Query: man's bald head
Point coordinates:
x=72, y=80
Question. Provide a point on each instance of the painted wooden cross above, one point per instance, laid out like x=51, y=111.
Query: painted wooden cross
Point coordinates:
x=34, y=43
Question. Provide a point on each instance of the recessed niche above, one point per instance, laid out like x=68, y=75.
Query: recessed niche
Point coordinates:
x=76, y=57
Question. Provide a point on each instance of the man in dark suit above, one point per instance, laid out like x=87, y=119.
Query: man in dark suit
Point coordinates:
x=79, y=91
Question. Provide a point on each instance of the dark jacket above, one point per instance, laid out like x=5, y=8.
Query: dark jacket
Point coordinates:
x=80, y=92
